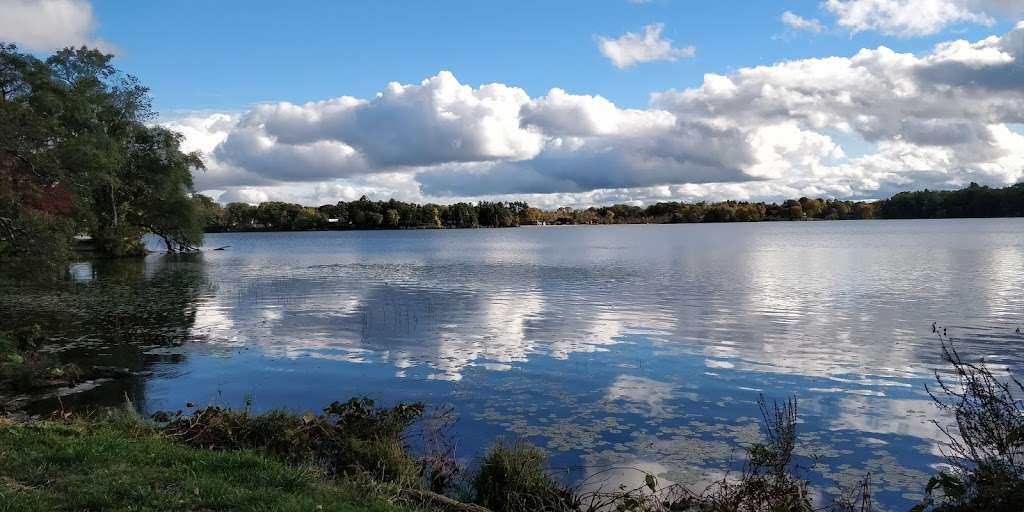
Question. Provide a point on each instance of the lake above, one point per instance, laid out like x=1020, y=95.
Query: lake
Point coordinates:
x=635, y=346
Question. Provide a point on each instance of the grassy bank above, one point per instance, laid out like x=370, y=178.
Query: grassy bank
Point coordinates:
x=121, y=464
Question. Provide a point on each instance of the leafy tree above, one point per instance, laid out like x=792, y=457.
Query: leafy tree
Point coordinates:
x=973, y=201
x=157, y=182
x=461, y=215
x=210, y=212
x=80, y=156
x=393, y=214
x=239, y=215
x=392, y=218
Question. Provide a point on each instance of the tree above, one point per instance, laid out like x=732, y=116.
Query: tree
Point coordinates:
x=80, y=157
x=37, y=205
x=461, y=215
x=210, y=212
x=864, y=211
x=391, y=218
x=157, y=182
x=430, y=216
x=306, y=218
x=239, y=214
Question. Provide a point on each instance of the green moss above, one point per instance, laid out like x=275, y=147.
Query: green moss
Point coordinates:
x=122, y=464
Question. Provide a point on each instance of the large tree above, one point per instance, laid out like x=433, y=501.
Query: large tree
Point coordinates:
x=79, y=155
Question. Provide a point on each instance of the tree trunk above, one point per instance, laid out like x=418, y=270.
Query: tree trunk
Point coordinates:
x=113, y=204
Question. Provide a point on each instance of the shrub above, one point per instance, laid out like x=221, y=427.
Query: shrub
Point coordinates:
x=514, y=478
x=350, y=438
x=986, y=450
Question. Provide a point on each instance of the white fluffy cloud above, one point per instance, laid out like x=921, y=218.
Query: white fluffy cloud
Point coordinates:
x=437, y=121
x=46, y=25
x=631, y=48
x=798, y=22
x=859, y=126
x=909, y=18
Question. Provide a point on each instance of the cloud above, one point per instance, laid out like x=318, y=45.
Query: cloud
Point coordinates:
x=910, y=18
x=631, y=48
x=863, y=125
x=563, y=114
x=949, y=113
x=243, y=195
x=798, y=22
x=47, y=25
x=436, y=121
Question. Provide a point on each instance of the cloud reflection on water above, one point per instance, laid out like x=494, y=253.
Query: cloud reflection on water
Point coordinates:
x=629, y=327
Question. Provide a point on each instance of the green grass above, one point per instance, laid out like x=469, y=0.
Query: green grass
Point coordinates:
x=124, y=465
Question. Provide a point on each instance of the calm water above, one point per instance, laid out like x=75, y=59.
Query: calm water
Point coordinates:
x=617, y=346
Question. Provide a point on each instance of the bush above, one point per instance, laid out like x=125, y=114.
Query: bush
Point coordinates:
x=986, y=450
x=514, y=478
x=38, y=247
x=350, y=438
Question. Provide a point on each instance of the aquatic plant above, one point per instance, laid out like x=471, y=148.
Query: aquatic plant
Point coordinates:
x=769, y=482
x=985, y=450
x=515, y=478
x=22, y=368
x=439, y=466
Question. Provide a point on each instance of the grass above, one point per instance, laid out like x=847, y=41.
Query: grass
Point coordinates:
x=121, y=464
x=354, y=438
x=515, y=477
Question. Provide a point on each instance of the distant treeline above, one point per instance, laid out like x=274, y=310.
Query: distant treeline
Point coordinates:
x=364, y=214
x=973, y=201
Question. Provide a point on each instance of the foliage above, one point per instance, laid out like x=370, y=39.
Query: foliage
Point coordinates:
x=769, y=482
x=78, y=155
x=440, y=467
x=986, y=449
x=364, y=214
x=349, y=438
x=973, y=201
x=514, y=478
x=117, y=463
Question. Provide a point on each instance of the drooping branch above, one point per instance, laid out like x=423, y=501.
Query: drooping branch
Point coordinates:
x=25, y=160
x=172, y=242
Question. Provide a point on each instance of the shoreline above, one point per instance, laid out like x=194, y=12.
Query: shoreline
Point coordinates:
x=457, y=228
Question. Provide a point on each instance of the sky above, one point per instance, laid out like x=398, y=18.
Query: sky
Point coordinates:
x=568, y=103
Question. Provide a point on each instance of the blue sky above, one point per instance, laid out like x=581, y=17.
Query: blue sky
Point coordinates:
x=568, y=102
x=226, y=55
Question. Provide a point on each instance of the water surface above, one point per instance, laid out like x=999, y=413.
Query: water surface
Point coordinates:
x=611, y=346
